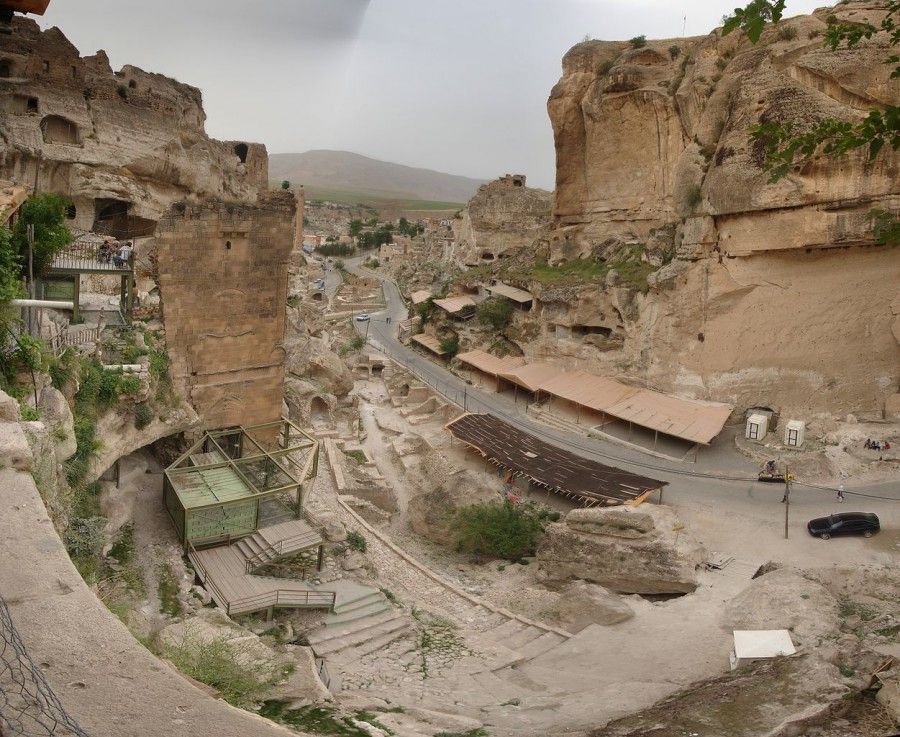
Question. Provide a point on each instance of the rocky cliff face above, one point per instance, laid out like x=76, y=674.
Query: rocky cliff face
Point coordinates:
x=123, y=145
x=502, y=217
x=777, y=294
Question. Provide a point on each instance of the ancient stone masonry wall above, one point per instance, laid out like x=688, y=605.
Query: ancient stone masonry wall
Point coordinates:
x=127, y=140
x=223, y=284
x=778, y=293
x=502, y=217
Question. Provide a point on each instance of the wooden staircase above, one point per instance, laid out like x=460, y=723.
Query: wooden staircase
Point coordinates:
x=227, y=571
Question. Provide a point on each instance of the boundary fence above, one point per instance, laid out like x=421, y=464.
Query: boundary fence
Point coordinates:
x=28, y=706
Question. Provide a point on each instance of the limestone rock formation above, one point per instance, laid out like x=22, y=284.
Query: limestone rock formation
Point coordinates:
x=293, y=674
x=783, y=599
x=781, y=696
x=123, y=145
x=776, y=289
x=504, y=216
x=628, y=550
x=583, y=604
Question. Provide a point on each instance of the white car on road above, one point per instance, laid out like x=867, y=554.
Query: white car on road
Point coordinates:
x=362, y=318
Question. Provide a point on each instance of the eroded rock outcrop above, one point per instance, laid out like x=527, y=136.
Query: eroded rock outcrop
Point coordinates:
x=504, y=216
x=624, y=549
x=123, y=145
x=784, y=599
x=776, y=289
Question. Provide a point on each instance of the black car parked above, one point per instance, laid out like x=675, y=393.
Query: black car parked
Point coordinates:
x=845, y=523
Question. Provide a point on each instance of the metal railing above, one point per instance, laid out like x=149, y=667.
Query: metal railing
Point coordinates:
x=96, y=256
x=201, y=571
x=59, y=341
x=285, y=599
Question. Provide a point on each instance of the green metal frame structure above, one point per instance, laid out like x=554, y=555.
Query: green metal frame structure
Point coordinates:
x=213, y=491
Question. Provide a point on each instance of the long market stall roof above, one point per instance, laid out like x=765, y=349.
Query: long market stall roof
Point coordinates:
x=698, y=422
x=455, y=304
x=531, y=376
x=553, y=468
x=513, y=293
x=429, y=342
x=490, y=364
x=420, y=296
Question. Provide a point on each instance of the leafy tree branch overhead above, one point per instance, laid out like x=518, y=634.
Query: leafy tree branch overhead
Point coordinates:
x=785, y=146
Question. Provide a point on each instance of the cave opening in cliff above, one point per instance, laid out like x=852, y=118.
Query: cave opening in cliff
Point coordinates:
x=583, y=330
x=5, y=69
x=56, y=129
x=318, y=410
x=31, y=105
x=114, y=218
x=241, y=150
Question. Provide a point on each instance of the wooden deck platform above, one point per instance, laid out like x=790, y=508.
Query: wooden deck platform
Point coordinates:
x=223, y=570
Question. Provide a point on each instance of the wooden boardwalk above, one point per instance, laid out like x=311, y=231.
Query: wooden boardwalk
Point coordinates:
x=224, y=571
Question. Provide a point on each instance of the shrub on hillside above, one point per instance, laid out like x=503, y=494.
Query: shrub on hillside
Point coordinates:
x=500, y=529
x=495, y=312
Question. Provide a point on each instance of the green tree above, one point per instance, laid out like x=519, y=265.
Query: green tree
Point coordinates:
x=638, y=42
x=356, y=227
x=10, y=268
x=495, y=312
x=783, y=142
x=285, y=184
x=46, y=211
x=450, y=345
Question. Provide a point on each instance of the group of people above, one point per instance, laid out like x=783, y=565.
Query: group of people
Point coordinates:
x=117, y=252
x=877, y=445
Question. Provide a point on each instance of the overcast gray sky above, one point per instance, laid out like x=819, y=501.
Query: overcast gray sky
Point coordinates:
x=454, y=85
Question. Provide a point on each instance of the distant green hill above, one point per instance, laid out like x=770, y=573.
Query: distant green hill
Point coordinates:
x=347, y=177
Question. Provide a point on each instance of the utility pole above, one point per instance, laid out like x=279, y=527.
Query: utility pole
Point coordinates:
x=787, y=499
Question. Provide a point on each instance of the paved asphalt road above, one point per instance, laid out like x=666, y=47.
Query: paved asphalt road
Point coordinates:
x=720, y=488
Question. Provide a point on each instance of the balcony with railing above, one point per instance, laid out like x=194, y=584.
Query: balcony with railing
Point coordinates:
x=90, y=257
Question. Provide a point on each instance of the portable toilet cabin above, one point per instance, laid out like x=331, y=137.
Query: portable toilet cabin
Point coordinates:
x=794, y=433
x=750, y=645
x=757, y=426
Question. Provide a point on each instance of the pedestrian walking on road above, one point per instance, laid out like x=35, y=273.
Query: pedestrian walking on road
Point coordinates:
x=840, y=494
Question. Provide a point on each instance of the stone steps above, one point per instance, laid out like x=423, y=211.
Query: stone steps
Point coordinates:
x=523, y=637
x=499, y=689
x=540, y=645
x=364, y=611
x=393, y=633
x=374, y=628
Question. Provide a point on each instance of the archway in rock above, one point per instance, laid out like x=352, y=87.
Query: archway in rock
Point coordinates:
x=318, y=410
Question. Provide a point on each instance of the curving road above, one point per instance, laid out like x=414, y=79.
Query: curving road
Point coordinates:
x=738, y=514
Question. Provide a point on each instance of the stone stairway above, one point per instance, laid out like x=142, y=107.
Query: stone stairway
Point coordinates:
x=363, y=621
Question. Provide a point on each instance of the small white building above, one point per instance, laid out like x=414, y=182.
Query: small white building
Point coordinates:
x=750, y=645
x=794, y=433
x=757, y=427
